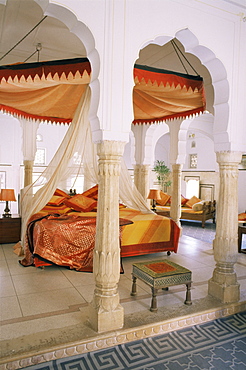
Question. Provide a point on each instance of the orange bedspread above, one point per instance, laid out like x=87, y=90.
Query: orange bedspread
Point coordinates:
x=69, y=239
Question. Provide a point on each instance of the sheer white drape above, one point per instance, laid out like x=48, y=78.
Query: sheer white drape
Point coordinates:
x=75, y=156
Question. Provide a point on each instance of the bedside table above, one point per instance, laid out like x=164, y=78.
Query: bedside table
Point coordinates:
x=10, y=229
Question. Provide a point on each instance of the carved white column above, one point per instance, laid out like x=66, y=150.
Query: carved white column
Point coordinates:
x=141, y=178
x=106, y=313
x=175, y=209
x=223, y=285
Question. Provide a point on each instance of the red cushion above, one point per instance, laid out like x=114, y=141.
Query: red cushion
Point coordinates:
x=92, y=192
x=56, y=200
x=61, y=193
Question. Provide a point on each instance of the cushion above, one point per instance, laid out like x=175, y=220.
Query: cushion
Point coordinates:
x=61, y=193
x=192, y=201
x=61, y=209
x=81, y=203
x=92, y=192
x=169, y=202
x=164, y=198
x=242, y=217
x=56, y=200
x=198, y=206
x=183, y=200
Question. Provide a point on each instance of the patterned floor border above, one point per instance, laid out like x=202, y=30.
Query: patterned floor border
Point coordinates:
x=107, y=340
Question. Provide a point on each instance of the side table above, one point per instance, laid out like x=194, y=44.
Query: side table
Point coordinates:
x=161, y=274
x=10, y=229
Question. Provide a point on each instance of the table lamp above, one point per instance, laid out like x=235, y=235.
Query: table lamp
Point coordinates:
x=155, y=195
x=7, y=195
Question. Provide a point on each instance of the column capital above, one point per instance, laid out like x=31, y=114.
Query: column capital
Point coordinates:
x=229, y=157
x=110, y=147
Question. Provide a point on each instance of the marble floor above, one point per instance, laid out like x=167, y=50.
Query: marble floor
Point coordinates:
x=44, y=313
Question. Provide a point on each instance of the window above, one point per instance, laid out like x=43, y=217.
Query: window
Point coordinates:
x=192, y=186
x=193, y=160
x=40, y=157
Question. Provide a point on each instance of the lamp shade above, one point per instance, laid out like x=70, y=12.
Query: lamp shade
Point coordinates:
x=154, y=194
x=8, y=195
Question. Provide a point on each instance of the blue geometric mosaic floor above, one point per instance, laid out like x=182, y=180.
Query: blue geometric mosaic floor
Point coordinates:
x=219, y=344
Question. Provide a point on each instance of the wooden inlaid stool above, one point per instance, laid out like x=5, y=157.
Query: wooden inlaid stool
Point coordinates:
x=161, y=274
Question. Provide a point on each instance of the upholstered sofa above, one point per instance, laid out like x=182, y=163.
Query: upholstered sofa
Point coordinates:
x=193, y=209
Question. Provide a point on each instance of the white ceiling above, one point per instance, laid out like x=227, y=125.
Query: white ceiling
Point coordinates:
x=17, y=18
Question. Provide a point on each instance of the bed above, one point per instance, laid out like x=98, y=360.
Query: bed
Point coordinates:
x=62, y=235
x=193, y=209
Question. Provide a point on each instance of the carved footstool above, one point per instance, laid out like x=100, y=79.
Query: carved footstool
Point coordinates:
x=161, y=274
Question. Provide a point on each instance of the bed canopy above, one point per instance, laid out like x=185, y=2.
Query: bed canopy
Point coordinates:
x=161, y=95
x=58, y=92
x=42, y=91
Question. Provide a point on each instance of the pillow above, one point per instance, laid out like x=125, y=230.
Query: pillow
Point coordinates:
x=192, y=201
x=60, y=193
x=81, y=203
x=164, y=199
x=92, y=192
x=183, y=200
x=61, y=209
x=122, y=206
x=198, y=206
x=242, y=217
x=56, y=200
x=169, y=202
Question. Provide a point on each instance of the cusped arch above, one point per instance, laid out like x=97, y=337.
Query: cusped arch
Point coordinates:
x=219, y=82
x=84, y=34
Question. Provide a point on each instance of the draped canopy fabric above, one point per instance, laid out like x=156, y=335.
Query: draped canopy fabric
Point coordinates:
x=160, y=95
x=51, y=91
x=45, y=91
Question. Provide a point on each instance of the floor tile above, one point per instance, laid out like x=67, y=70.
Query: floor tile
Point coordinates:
x=9, y=309
x=38, y=303
x=6, y=287
x=40, y=281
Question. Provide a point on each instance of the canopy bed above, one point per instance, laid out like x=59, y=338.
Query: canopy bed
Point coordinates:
x=42, y=92
x=63, y=232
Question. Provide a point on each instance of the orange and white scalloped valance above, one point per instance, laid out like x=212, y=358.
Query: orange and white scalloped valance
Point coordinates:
x=160, y=95
x=45, y=91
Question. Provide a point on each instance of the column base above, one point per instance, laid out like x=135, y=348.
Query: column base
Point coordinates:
x=102, y=320
x=225, y=293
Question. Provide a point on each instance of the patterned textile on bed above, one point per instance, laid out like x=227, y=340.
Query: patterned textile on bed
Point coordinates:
x=64, y=240
x=69, y=239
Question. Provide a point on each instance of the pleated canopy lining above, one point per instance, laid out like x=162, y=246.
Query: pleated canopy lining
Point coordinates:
x=50, y=91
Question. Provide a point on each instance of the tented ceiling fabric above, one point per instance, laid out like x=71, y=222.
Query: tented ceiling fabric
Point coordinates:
x=43, y=91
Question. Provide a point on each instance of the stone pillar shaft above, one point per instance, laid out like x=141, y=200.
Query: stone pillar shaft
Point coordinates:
x=141, y=178
x=106, y=313
x=223, y=284
x=28, y=171
x=175, y=209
